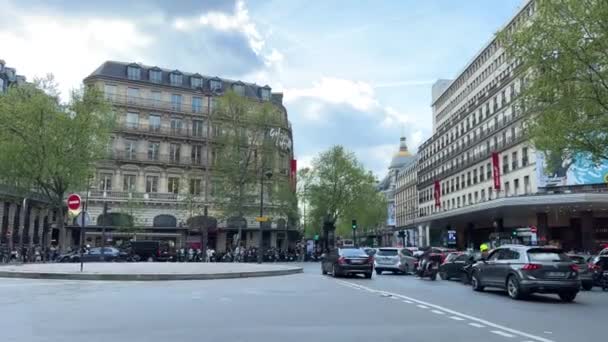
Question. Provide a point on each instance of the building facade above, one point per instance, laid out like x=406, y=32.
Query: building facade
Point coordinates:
x=406, y=202
x=162, y=156
x=479, y=178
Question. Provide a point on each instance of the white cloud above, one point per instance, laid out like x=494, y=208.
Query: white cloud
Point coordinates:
x=416, y=140
x=359, y=95
x=71, y=48
x=305, y=161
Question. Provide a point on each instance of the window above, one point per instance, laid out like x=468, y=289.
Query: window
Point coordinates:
x=215, y=85
x=511, y=91
x=105, y=181
x=196, y=154
x=173, y=185
x=153, y=148
x=130, y=149
x=197, y=104
x=507, y=189
x=174, y=152
x=239, y=89
x=481, y=174
x=176, y=102
x=505, y=164
x=129, y=182
x=154, y=123
x=156, y=76
x=109, y=91
x=516, y=187
x=508, y=254
x=196, y=82
x=176, y=125
x=475, y=176
x=151, y=184
x=458, y=202
x=524, y=156
x=133, y=72
x=526, y=185
x=156, y=98
x=133, y=95
x=265, y=93
x=462, y=181
x=470, y=199
x=132, y=120
x=488, y=171
x=197, y=128
x=176, y=79
x=195, y=187
x=514, y=161
x=503, y=98
x=483, y=194
x=468, y=178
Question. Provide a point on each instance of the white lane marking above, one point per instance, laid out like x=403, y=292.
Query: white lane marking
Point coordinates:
x=501, y=333
x=456, y=318
x=477, y=325
x=407, y=301
x=422, y=306
x=397, y=298
x=438, y=312
x=469, y=317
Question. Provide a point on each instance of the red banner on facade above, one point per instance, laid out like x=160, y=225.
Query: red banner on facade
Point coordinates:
x=293, y=173
x=496, y=170
x=437, y=194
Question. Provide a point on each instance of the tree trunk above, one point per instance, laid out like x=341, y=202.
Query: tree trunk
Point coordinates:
x=59, y=221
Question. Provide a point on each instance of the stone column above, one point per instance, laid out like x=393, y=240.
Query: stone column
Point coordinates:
x=542, y=228
x=427, y=235
x=587, y=231
x=30, y=232
x=420, y=236
x=11, y=224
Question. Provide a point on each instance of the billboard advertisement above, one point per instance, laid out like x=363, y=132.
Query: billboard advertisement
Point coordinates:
x=390, y=220
x=569, y=170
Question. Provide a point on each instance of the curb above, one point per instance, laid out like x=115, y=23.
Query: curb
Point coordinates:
x=148, y=277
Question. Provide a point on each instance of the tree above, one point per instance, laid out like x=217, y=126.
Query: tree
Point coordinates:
x=341, y=190
x=245, y=152
x=563, y=51
x=49, y=146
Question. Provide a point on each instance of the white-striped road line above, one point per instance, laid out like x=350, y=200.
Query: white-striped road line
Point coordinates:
x=477, y=325
x=422, y=306
x=456, y=318
x=438, y=312
x=407, y=301
x=501, y=333
x=480, y=321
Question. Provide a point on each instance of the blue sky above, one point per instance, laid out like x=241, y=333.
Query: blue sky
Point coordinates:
x=356, y=73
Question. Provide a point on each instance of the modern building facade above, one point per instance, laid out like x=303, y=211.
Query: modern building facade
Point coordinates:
x=480, y=179
x=160, y=174
x=406, y=202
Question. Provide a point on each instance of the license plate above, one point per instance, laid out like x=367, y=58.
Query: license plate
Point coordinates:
x=356, y=261
x=556, y=274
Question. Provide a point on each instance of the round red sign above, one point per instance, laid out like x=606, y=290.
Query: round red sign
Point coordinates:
x=73, y=202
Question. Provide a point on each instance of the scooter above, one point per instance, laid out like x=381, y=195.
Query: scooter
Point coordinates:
x=430, y=268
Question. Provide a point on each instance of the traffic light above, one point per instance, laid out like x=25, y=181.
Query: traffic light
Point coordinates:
x=316, y=237
x=354, y=224
x=514, y=233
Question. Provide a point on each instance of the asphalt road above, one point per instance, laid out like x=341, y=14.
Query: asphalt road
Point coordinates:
x=302, y=307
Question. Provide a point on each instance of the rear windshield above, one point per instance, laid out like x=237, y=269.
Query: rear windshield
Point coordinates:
x=547, y=255
x=354, y=252
x=387, y=252
x=577, y=259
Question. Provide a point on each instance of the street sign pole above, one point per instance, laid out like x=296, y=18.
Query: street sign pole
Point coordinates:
x=82, y=223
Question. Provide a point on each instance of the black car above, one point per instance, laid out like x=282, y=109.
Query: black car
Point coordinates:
x=456, y=264
x=110, y=254
x=151, y=250
x=522, y=270
x=347, y=261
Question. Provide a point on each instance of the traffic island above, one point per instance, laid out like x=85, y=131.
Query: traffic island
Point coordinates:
x=146, y=271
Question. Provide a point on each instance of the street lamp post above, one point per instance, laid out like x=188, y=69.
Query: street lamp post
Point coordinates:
x=267, y=174
x=82, y=222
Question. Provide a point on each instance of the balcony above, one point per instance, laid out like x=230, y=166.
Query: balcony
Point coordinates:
x=161, y=131
x=158, y=105
x=162, y=159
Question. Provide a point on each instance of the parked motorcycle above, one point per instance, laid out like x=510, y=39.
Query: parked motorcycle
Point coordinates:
x=429, y=266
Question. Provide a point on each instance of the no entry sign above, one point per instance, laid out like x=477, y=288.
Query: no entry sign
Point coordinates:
x=73, y=202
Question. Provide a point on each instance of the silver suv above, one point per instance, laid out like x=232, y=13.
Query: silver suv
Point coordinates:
x=396, y=260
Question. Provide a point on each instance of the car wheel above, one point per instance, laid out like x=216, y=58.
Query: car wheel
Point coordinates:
x=513, y=288
x=587, y=286
x=476, y=283
x=464, y=277
x=567, y=296
x=368, y=275
x=444, y=276
x=433, y=276
x=378, y=272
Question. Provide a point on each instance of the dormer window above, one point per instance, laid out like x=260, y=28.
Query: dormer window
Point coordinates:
x=134, y=72
x=176, y=78
x=239, y=88
x=265, y=93
x=215, y=85
x=196, y=81
x=156, y=76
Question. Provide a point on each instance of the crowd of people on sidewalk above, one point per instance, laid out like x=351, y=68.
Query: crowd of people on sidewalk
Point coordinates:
x=27, y=254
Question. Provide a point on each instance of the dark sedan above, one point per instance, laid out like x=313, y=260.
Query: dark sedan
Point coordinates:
x=456, y=264
x=110, y=254
x=585, y=274
x=522, y=270
x=347, y=261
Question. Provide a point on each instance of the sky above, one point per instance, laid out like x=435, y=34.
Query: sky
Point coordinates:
x=356, y=73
